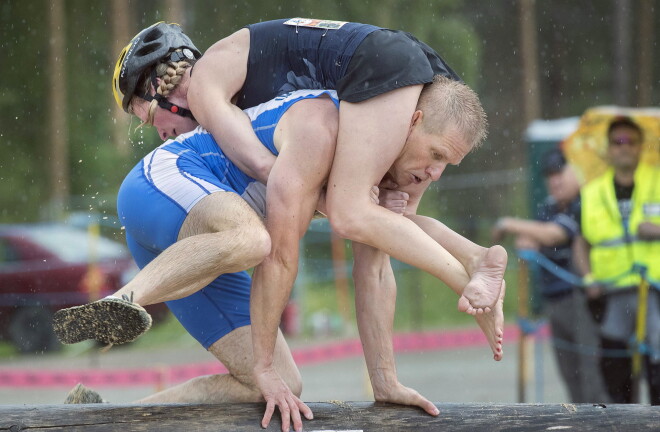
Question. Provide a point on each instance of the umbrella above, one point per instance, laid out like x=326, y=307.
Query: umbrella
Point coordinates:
x=586, y=148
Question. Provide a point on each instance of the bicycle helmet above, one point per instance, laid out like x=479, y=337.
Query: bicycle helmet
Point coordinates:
x=152, y=45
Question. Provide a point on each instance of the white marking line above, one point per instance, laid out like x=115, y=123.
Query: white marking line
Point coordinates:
x=337, y=430
x=559, y=427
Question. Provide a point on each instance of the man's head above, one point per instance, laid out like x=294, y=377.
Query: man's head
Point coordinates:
x=560, y=179
x=451, y=104
x=624, y=144
x=448, y=123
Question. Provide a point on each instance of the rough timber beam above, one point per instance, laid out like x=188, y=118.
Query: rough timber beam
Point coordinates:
x=331, y=416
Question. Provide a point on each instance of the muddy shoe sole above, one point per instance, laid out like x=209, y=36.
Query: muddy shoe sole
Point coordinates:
x=109, y=320
x=82, y=395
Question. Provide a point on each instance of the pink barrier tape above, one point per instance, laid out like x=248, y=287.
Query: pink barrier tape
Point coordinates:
x=168, y=374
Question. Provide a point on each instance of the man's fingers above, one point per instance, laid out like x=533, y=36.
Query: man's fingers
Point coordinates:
x=408, y=396
x=307, y=411
x=295, y=413
x=270, y=408
x=429, y=407
x=286, y=415
x=425, y=404
x=397, y=206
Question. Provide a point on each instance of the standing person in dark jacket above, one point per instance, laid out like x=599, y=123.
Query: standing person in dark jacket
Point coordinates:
x=574, y=332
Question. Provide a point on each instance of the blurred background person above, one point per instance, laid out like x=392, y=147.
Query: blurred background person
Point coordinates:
x=619, y=215
x=574, y=332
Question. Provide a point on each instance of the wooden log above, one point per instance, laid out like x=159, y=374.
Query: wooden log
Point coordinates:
x=331, y=416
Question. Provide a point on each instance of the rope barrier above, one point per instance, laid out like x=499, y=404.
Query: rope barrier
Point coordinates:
x=531, y=327
x=535, y=257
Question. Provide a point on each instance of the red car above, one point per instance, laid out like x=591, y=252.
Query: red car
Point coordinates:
x=46, y=267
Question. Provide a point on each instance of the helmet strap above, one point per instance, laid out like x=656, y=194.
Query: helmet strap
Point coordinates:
x=169, y=106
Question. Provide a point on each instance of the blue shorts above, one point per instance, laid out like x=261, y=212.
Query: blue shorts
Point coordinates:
x=157, y=195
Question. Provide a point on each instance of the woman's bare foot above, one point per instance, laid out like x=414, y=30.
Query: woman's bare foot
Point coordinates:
x=492, y=324
x=483, y=290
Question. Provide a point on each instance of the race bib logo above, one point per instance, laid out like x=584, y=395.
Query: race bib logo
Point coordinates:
x=315, y=23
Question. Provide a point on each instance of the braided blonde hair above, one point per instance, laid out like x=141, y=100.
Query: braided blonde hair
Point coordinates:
x=170, y=74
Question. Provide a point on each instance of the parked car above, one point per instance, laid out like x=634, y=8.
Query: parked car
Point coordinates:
x=46, y=267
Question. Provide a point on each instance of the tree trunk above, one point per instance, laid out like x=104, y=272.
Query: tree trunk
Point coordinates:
x=58, y=152
x=530, y=70
x=121, y=34
x=645, y=53
x=176, y=13
x=622, y=50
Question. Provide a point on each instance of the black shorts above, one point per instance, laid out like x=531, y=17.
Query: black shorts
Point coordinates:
x=387, y=60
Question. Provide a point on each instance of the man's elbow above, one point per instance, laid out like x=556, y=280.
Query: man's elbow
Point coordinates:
x=262, y=169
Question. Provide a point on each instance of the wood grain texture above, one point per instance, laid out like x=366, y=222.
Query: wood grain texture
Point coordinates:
x=331, y=416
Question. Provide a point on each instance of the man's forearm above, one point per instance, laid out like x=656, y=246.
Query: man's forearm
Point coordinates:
x=580, y=249
x=233, y=132
x=375, y=300
x=271, y=288
x=545, y=233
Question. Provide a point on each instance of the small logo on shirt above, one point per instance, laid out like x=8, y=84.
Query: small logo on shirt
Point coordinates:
x=315, y=23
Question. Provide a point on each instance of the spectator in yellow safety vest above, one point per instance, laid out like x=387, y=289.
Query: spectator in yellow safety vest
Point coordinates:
x=619, y=249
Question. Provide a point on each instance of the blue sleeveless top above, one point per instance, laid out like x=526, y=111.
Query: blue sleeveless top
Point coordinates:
x=284, y=58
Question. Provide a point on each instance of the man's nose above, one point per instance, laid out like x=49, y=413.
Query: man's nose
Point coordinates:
x=435, y=171
x=163, y=134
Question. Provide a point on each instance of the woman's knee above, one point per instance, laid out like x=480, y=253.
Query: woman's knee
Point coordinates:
x=345, y=222
x=256, y=241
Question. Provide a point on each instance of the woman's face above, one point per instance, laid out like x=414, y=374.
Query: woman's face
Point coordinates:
x=167, y=123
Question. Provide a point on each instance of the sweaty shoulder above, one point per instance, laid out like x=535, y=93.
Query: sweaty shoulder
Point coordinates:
x=223, y=67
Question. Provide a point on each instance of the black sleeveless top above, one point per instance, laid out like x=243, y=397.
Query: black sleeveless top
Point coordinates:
x=285, y=57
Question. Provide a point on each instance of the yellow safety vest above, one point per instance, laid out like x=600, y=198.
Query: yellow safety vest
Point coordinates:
x=613, y=253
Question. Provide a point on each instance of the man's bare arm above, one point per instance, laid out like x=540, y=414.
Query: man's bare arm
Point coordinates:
x=375, y=300
x=544, y=233
x=580, y=249
x=292, y=195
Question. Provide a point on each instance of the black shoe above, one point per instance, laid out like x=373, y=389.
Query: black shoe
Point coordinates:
x=110, y=320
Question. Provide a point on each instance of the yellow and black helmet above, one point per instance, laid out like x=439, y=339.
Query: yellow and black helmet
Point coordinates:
x=155, y=43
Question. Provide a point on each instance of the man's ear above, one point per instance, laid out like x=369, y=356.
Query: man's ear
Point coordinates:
x=415, y=120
